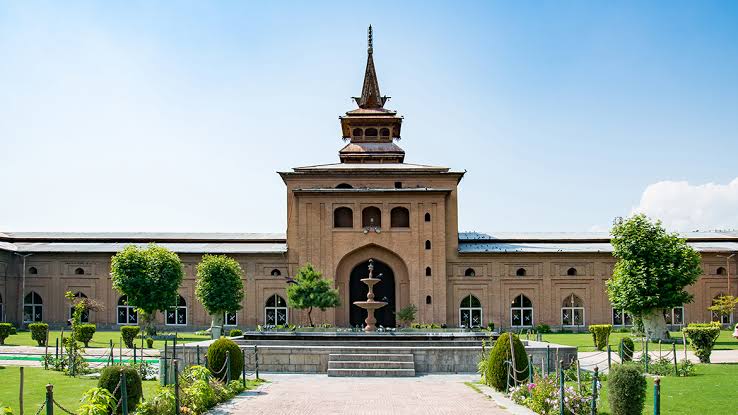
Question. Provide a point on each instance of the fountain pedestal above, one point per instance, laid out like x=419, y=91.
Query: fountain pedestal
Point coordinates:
x=370, y=305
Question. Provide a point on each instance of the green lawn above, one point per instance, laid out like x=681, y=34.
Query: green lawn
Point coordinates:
x=713, y=390
x=583, y=341
x=67, y=390
x=100, y=339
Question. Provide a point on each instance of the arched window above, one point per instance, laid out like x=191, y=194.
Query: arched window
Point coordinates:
x=470, y=312
x=230, y=319
x=428, y=299
x=276, y=273
x=33, y=271
x=721, y=271
x=399, y=217
x=470, y=272
x=275, y=311
x=721, y=318
x=177, y=314
x=357, y=132
x=2, y=314
x=520, y=272
x=521, y=312
x=85, y=314
x=79, y=271
x=621, y=318
x=427, y=271
x=427, y=245
x=427, y=217
x=572, y=311
x=674, y=316
x=371, y=216
x=370, y=132
x=126, y=313
x=344, y=186
x=384, y=132
x=571, y=271
x=33, y=308
x=343, y=217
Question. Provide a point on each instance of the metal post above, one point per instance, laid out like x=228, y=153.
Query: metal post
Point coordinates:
x=176, y=387
x=20, y=394
x=123, y=393
x=243, y=367
x=684, y=342
x=197, y=348
x=594, y=391
x=530, y=368
x=166, y=362
x=579, y=376
x=620, y=350
x=561, y=387
x=657, y=396
x=256, y=360
x=512, y=360
x=134, y=353
x=112, y=360
x=174, y=346
x=120, y=352
x=609, y=357
x=49, y=399
x=228, y=367
x=676, y=367
x=647, y=356
x=548, y=359
x=56, y=351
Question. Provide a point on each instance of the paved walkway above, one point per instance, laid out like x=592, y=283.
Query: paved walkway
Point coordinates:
x=589, y=360
x=320, y=394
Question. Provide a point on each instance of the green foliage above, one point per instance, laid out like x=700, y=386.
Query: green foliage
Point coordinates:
x=542, y=328
x=703, y=338
x=217, y=357
x=311, y=290
x=235, y=332
x=162, y=403
x=97, y=401
x=84, y=333
x=600, y=335
x=628, y=349
x=6, y=329
x=129, y=334
x=406, y=315
x=149, y=278
x=653, y=267
x=626, y=390
x=491, y=326
x=110, y=376
x=39, y=332
x=724, y=305
x=149, y=343
x=219, y=286
x=495, y=371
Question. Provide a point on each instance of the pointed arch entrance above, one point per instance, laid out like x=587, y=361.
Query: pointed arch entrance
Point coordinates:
x=383, y=291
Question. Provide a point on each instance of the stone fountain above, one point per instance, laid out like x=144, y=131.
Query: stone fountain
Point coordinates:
x=370, y=305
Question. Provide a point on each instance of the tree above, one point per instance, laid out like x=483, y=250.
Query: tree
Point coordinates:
x=219, y=288
x=149, y=277
x=724, y=305
x=310, y=290
x=406, y=315
x=653, y=268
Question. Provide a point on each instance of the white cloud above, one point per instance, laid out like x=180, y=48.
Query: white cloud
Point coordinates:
x=685, y=207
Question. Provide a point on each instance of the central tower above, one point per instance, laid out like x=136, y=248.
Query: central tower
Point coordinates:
x=371, y=128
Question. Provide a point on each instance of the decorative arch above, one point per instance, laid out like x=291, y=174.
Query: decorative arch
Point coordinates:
x=33, y=270
x=276, y=273
x=571, y=272
x=33, y=308
x=721, y=271
x=371, y=216
x=572, y=311
x=470, y=272
x=427, y=217
x=399, y=217
x=276, y=311
x=79, y=271
x=344, y=186
x=521, y=311
x=520, y=272
x=428, y=244
x=343, y=217
x=428, y=271
x=470, y=312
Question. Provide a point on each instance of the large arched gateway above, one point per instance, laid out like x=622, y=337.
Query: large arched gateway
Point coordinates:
x=383, y=291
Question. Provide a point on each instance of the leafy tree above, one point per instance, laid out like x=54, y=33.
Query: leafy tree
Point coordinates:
x=653, y=268
x=406, y=315
x=310, y=290
x=724, y=305
x=149, y=277
x=219, y=288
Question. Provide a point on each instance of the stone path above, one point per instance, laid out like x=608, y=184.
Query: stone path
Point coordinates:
x=320, y=394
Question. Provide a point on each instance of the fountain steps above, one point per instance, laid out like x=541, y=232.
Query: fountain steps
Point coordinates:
x=371, y=364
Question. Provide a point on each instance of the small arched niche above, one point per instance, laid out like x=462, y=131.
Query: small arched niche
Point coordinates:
x=520, y=272
x=343, y=217
x=399, y=217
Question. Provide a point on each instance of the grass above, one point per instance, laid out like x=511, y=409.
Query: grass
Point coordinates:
x=712, y=390
x=100, y=339
x=67, y=390
x=583, y=341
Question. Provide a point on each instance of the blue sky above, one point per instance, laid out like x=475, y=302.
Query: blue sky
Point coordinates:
x=174, y=116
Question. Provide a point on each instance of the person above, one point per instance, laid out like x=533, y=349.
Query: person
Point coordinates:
x=735, y=332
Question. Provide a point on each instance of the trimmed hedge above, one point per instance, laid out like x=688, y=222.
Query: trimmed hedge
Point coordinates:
x=39, y=332
x=217, y=356
x=84, y=333
x=6, y=329
x=129, y=334
x=496, y=370
x=109, y=378
x=626, y=390
x=628, y=348
x=235, y=332
x=703, y=338
x=600, y=335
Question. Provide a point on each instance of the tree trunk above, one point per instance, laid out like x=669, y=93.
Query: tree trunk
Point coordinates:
x=147, y=323
x=310, y=318
x=216, y=326
x=654, y=325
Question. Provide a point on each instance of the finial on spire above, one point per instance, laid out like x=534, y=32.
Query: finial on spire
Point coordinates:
x=370, y=38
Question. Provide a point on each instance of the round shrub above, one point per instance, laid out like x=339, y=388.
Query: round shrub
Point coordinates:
x=235, y=332
x=6, y=329
x=626, y=390
x=129, y=334
x=496, y=371
x=84, y=333
x=628, y=348
x=110, y=376
x=149, y=342
x=39, y=332
x=217, y=357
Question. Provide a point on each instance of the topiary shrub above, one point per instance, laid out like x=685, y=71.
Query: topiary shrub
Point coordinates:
x=626, y=390
x=84, y=333
x=129, y=334
x=628, y=348
x=39, y=332
x=542, y=328
x=110, y=376
x=6, y=329
x=703, y=338
x=149, y=342
x=235, y=332
x=495, y=371
x=600, y=335
x=217, y=357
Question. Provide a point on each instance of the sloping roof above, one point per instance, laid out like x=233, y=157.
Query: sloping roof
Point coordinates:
x=372, y=166
x=181, y=248
x=144, y=236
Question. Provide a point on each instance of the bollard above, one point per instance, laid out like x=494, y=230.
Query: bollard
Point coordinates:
x=548, y=359
x=228, y=367
x=256, y=360
x=49, y=399
x=197, y=347
x=243, y=368
x=20, y=394
x=609, y=357
x=123, y=393
x=176, y=387
x=657, y=396
x=561, y=387
x=530, y=368
x=646, y=355
x=676, y=366
x=594, y=391
x=57, y=348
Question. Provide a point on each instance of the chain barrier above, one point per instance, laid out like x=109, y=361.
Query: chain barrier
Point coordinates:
x=40, y=408
x=58, y=405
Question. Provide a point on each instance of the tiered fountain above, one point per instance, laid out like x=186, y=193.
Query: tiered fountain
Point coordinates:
x=370, y=305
